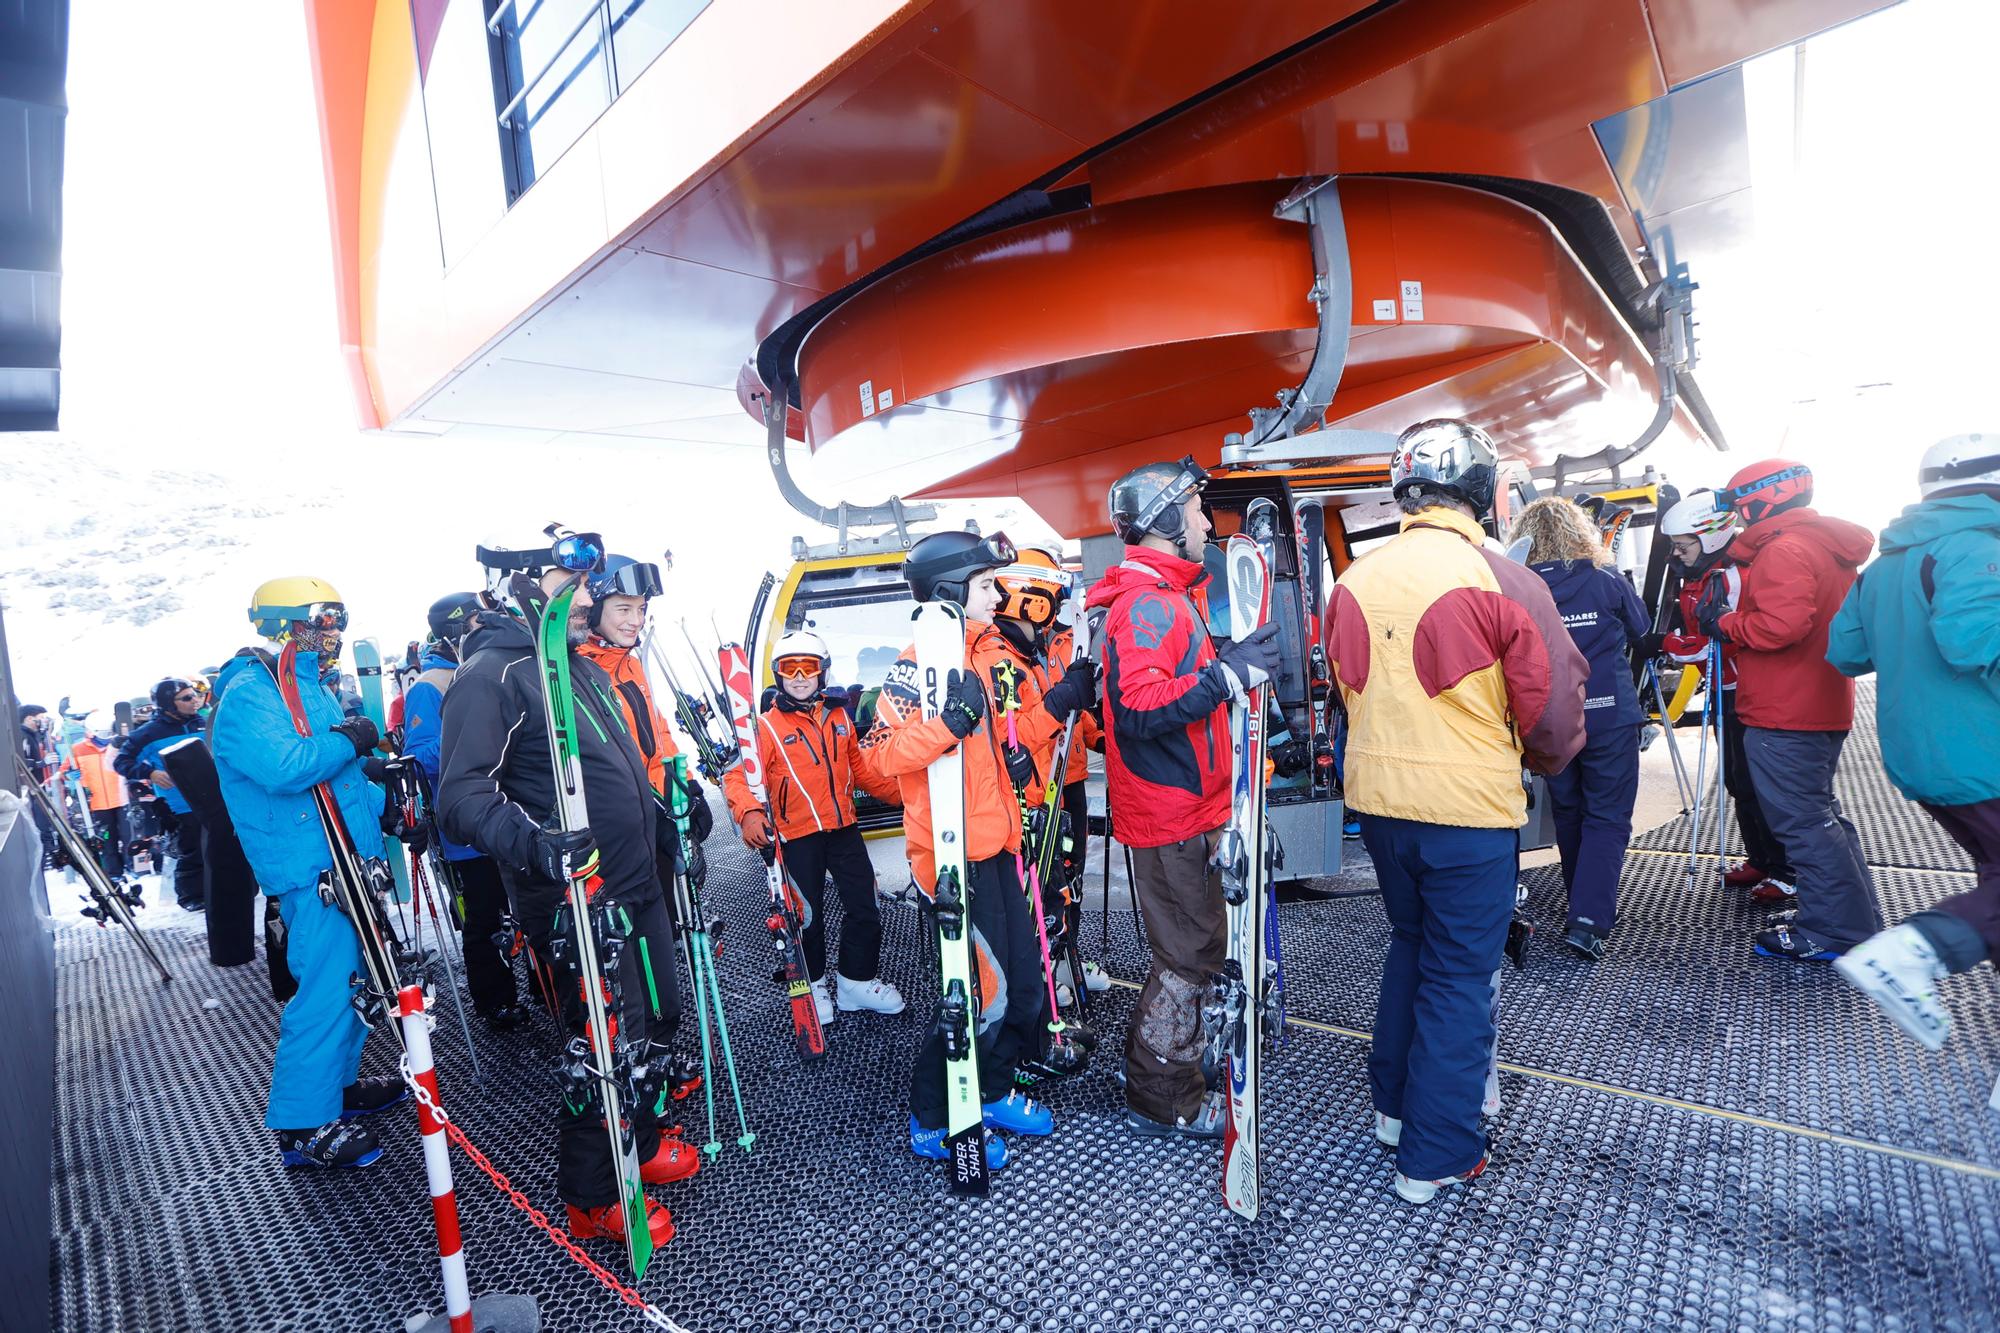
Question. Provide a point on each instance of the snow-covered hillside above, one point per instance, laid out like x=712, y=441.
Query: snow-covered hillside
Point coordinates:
x=122, y=565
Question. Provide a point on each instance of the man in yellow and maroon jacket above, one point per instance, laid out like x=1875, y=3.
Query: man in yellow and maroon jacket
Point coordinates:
x=811, y=766
x=1455, y=669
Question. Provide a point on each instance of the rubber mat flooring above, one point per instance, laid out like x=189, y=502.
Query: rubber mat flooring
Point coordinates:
x=1690, y=1140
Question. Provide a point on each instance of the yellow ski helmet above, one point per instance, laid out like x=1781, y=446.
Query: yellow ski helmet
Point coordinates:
x=278, y=603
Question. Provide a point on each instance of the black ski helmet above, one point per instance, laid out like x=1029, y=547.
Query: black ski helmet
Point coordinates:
x=940, y=566
x=1146, y=502
x=451, y=615
x=164, y=692
x=621, y=576
x=1446, y=457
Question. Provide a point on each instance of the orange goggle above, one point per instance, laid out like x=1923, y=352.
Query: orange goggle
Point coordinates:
x=796, y=668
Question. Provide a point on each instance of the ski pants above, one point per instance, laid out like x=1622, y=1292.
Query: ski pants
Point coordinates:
x=190, y=866
x=841, y=851
x=1005, y=929
x=1180, y=896
x=320, y=1035
x=482, y=901
x=1761, y=847
x=1965, y=928
x=1592, y=799
x=1794, y=771
x=649, y=1009
x=110, y=839
x=1449, y=894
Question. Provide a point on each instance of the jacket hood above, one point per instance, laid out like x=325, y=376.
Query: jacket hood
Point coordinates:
x=432, y=661
x=1158, y=567
x=1847, y=543
x=1564, y=577
x=1929, y=520
x=496, y=629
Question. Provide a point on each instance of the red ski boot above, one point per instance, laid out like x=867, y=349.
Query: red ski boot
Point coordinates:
x=1742, y=875
x=675, y=1160
x=609, y=1221
x=1771, y=892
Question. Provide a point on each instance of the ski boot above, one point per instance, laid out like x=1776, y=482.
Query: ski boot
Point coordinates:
x=375, y=1092
x=334, y=1144
x=1095, y=978
x=1388, y=1130
x=1788, y=941
x=1743, y=875
x=506, y=1018
x=683, y=1076
x=1585, y=942
x=875, y=995
x=929, y=1144
x=1018, y=1114
x=673, y=1160
x=822, y=1002
x=609, y=1221
x=1423, y=1191
x=1898, y=969
x=1211, y=1121
x=1774, y=892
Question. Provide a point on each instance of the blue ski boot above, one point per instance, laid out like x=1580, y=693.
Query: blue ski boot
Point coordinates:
x=1019, y=1114
x=929, y=1143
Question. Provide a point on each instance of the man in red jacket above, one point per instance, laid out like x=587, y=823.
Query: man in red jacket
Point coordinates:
x=1796, y=709
x=1166, y=764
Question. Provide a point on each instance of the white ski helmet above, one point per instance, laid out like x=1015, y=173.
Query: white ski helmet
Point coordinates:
x=1696, y=516
x=1960, y=463
x=100, y=723
x=801, y=643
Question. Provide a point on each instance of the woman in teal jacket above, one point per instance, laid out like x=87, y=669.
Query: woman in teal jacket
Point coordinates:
x=267, y=772
x=1925, y=617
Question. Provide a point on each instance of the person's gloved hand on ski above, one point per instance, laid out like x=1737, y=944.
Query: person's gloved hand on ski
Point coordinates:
x=1251, y=661
x=559, y=851
x=1076, y=691
x=756, y=830
x=964, y=703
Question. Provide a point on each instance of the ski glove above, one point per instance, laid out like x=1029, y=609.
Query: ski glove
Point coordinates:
x=1020, y=765
x=1709, y=611
x=553, y=846
x=1253, y=660
x=1291, y=758
x=1076, y=691
x=701, y=820
x=362, y=733
x=756, y=830
x=964, y=703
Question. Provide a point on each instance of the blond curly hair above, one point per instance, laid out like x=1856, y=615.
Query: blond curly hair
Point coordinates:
x=1558, y=530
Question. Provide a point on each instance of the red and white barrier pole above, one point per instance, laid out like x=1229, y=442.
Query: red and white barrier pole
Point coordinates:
x=437, y=1159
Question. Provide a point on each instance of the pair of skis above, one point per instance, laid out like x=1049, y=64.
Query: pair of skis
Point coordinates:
x=110, y=900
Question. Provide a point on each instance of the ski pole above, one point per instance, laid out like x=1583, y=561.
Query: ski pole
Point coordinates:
x=1721, y=760
x=1673, y=745
x=1700, y=775
x=422, y=883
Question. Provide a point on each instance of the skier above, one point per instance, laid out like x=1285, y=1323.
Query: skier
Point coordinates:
x=495, y=779
x=812, y=765
x=1456, y=670
x=267, y=771
x=959, y=567
x=1166, y=763
x=1700, y=535
x=40, y=756
x=176, y=713
x=1594, y=793
x=1796, y=709
x=91, y=760
x=1925, y=617
x=488, y=974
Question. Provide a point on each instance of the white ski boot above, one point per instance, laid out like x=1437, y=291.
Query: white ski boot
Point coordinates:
x=1388, y=1130
x=822, y=1001
x=875, y=995
x=1898, y=969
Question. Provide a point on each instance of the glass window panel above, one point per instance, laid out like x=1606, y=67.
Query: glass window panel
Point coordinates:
x=641, y=29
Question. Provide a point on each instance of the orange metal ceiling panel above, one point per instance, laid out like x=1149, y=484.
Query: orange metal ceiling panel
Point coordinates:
x=1699, y=37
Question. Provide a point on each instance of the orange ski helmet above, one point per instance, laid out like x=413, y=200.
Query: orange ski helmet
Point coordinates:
x=1032, y=589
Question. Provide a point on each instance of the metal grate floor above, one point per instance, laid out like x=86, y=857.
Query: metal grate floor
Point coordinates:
x=1691, y=1140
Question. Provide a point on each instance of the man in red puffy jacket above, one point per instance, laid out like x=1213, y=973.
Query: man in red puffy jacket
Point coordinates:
x=1166, y=763
x=1796, y=709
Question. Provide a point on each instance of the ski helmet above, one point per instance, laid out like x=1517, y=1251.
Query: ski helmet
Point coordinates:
x=621, y=576
x=939, y=566
x=1697, y=516
x=1146, y=502
x=451, y=615
x=168, y=691
x=578, y=552
x=1767, y=488
x=1961, y=463
x=281, y=605
x=1449, y=458
x=100, y=724
x=799, y=652
x=1032, y=589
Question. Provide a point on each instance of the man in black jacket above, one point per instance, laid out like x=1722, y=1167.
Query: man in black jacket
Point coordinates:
x=176, y=715
x=496, y=792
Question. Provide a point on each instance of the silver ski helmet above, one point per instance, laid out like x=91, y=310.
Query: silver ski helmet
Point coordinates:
x=1146, y=502
x=939, y=566
x=1446, y=457
x=1959, y=464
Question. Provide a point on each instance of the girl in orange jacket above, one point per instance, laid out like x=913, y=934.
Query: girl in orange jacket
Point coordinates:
x=811, y=767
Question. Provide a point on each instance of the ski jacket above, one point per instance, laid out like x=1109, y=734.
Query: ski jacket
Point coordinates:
x=1455, y=669
x=904, y=743
x=1925, y=617
x=1166, y=730
x=37, y=752
x=812, y=763
x=423, y=733
x=1089, y=735
x=648, y=727
x=1605, y=618
x=1689, y=646
x=139, y=757
x=1797, y=567
x=92, y=763
x=496, y=783
x=267, y=772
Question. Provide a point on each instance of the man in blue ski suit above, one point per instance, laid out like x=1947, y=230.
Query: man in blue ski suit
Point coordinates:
x=176, y=715
x=267, y=772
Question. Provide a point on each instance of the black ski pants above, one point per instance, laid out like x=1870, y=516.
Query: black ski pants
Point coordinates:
x=1794, y=774
x=110, y=825
x=585, y=1176
x=190, y=866
x=1761, y=847
x=842, y=852
x=1005, y=928
x=482, y=901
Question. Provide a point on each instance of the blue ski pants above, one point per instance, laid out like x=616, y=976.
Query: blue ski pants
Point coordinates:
x=1592, y=798
x=320, y=1035
x=1448, y=893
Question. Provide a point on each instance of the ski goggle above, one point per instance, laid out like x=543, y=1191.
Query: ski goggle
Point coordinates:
x=997, y=550
x=319, y=615
x=796, y=668
x=627, y=581
x=577, y=552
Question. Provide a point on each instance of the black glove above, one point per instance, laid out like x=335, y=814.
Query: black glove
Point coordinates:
x=376, y=769
x=701, y=820
x=1020, y=765
x=1076, y=691
x=1650, y=647
x=1292, y=757
x=1255, y=659
x=361, y=732
x=667, y=837
x=1708, y=612
x=964, y=703
x=417, y=837
x=553, y=844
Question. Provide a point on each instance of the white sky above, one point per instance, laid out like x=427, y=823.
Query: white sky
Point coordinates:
x=199, y=327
